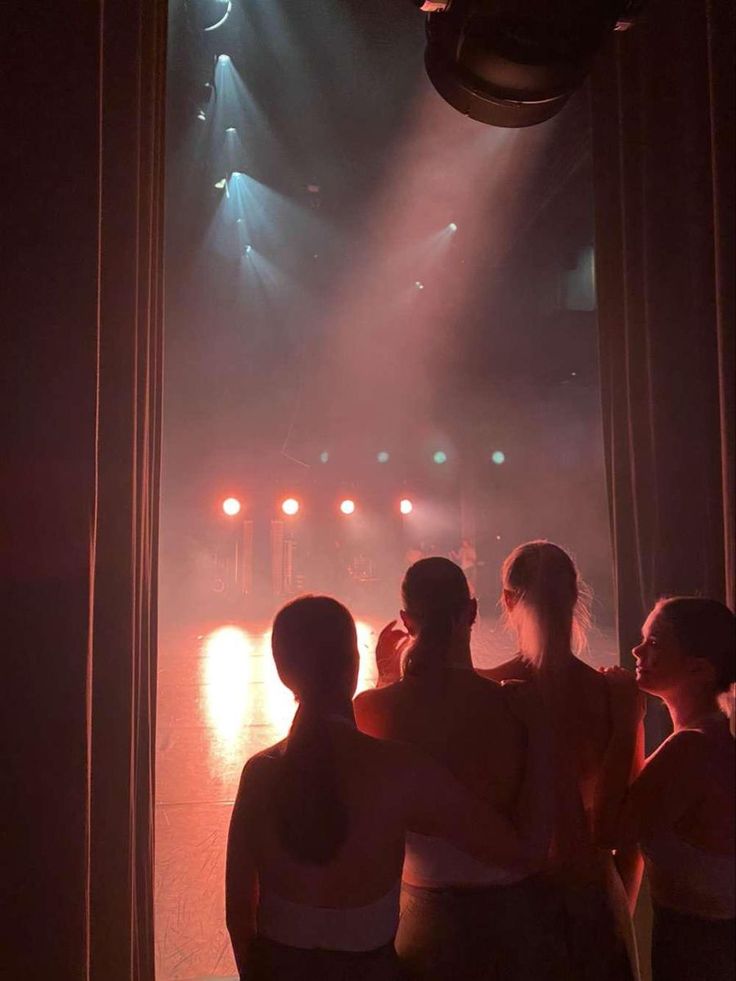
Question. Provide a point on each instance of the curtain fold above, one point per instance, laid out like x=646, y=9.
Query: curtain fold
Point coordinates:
x=81, y=392
x=662, y=98
x=81, y=402
x=125, y=530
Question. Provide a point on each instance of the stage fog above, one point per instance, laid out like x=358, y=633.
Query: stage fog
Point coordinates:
x=380, y=344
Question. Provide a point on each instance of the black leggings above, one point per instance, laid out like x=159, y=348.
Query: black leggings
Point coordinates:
x=691, y=948
x=271, y=961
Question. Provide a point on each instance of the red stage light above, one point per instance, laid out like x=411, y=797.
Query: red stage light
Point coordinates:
x=406, y=506
x=347, y=506
x=231, y=506
x=290, y=506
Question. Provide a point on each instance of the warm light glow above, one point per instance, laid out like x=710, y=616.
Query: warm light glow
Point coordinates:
x=406, y=506
x=367, y=672
x=226, y=676
x=347, y=506
x=279, y=704
x=290, y=506
x=231, y=506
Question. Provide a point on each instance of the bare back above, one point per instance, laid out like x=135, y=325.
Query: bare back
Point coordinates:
x=371, y=858
x=581, y=710
x=389, y=789
x=462, y=722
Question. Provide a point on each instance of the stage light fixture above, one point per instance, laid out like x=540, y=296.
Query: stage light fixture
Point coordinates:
x=383, y=456
x=498, y=456
x=452, y=227
x=208, y=15
x=419, y=285
x=515, y=63
x=324, y=456
x=347, y=506
x=440, y=457
x=290, y=506
x=231, y=506
x=405, y=506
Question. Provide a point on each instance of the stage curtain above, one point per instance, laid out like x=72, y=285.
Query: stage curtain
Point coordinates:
x=81, y=392
x=662, y=118
x=124, y=540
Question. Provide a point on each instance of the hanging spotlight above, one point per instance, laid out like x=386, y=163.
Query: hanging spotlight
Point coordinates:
x=347, y=506
x=405, y=506
x=290, y=506
x=208, y=15
x=516, y=62
x=231, y=506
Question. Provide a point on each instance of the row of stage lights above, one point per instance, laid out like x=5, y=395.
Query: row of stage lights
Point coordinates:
x=291, y=506
x=439, y=457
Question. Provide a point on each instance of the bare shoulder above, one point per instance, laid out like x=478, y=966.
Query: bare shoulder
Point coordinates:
x=372, y=705
x=591, y=687
x=259, y=766
x=682, y=749
x=515, y=669
x=371, y=697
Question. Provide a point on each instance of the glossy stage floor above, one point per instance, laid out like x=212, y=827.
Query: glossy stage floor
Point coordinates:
x=220, y=701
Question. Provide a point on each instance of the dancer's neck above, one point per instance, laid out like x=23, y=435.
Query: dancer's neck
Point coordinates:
x=689, y=709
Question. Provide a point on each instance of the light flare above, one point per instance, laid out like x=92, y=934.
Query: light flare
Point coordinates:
x=231, y=506
x=226, y=676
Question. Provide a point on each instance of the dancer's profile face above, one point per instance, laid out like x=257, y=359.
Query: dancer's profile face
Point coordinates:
x=662, y=665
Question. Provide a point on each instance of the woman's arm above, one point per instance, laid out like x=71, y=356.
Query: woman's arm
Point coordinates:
x=623, y=757
x=628, y=858
x=241, y=874
x=670, y=782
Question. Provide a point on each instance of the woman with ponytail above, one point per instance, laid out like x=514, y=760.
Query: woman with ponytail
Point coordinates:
x=316, y=840
x=463, y=918
x=544, y=601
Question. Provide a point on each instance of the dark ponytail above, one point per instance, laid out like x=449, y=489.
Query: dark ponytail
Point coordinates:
x=315, y=649
x=435, y=594
x=311, y=813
